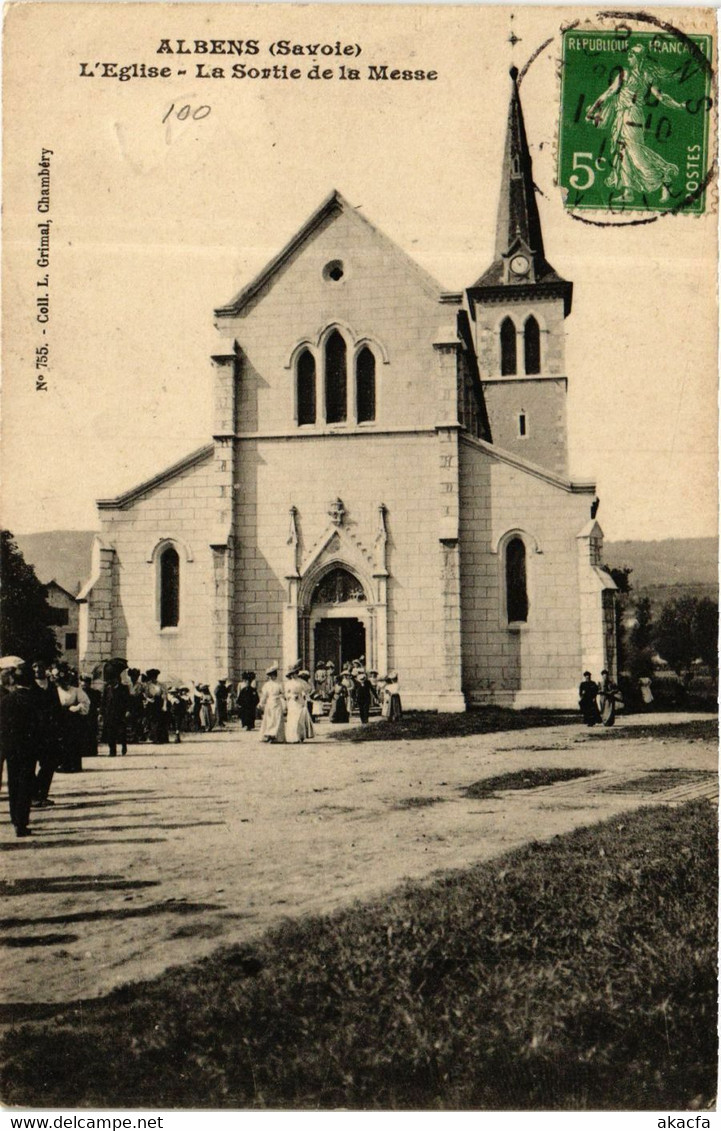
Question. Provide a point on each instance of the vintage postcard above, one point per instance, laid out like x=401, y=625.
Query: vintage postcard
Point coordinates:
x=350, y=353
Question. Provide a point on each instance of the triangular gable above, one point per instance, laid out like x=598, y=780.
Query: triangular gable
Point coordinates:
x=333, y=205
x=53, y=584
x=172, y=472
x=336, y=545
x=592, y=529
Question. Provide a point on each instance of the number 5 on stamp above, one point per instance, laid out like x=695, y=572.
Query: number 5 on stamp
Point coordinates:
x=635, y=121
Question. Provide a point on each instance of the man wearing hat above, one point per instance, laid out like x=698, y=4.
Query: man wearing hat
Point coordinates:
x=272, y=703
x=48, y=723
x=178, y=708
x=18, y=753
x=363, y=695
x=116, y=708
x=222, y=691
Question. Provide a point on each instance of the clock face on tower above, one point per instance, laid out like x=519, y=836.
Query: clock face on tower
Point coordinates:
x=520, y=265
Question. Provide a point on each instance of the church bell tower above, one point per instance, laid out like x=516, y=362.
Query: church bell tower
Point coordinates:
x=518, y=307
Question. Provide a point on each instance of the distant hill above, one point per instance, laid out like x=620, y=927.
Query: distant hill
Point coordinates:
x=660, y=594
x=60, y=554
x=682, y=562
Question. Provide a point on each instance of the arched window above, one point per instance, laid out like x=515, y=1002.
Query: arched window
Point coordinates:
x=335, y=379
x=305, y=377
x=516, y=591
x=508, y=347
x=169, y=575
x=365, y=385
x=532, y=346
x=337, y=588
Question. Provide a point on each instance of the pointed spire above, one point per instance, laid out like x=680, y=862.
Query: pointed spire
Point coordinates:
x=519, y=259
x=518, y=217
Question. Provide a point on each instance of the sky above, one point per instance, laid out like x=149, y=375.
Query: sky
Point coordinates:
x=155, y=222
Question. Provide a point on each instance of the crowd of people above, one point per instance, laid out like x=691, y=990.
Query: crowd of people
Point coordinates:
x=142, y=707
x=48, y=723
x=289, y=707
x=51, y=717
x=354, y=689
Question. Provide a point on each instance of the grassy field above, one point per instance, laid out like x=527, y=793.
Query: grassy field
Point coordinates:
x=523, y=779
x=693, y=730
x=574, y=974
x=489, y=720
x=442, y=724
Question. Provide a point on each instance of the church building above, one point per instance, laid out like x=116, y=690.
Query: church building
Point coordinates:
x=387, y=478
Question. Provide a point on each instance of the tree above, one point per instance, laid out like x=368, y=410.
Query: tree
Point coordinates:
x=707, y=632
x=687, y=630
x=640, y=644
x=641, y=636
x=25, y=615
x=621, y=575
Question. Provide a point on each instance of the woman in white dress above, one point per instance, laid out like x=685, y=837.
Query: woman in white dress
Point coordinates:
x=607, y=695
x=298, y=726
x=74, y=705
x=306, y=728
x=272, y=703
x=392, y=708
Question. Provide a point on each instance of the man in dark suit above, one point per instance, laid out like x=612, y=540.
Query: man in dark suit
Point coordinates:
x=363, y=695
x=18, y=730
x=116, y=708
x=44, y=697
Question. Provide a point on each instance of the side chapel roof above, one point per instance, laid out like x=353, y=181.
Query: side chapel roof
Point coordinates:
x=159, y=480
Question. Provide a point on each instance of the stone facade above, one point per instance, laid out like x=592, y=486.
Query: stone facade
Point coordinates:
x=535, y=663
x=65, y=621
x=527, y=413
x=325, y=521
x=121, y=615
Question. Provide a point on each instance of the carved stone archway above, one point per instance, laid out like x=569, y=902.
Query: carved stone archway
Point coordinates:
x=338, y=602
x=338, y=579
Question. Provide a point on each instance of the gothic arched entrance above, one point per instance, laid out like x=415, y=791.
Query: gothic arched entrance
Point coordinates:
x=339, y=619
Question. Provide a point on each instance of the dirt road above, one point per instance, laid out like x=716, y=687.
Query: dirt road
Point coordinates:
x=158, y=858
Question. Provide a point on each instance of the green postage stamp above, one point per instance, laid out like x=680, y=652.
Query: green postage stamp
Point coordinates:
x=635, y=120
